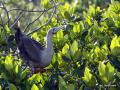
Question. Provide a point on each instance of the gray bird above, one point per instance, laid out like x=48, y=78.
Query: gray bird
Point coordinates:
x=32, y=51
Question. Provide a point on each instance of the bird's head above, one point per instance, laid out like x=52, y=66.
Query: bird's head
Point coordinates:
x=54, y=30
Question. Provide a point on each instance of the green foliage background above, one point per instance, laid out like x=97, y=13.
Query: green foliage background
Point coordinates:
x=87, y=53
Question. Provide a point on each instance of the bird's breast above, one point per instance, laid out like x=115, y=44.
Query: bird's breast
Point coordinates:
x=46, y=57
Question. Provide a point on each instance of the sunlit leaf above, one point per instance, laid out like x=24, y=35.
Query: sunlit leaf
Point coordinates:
x=115, y=46
x=110, y=71
x=9, y=63
x=76, y=28
x=34, y=78
x=16, y=69
x=12, y=87
x=74, y=47
x=7, y=29
x=66, y=6
x=114, y=43
x=97, y=51
x=62, y=84
x=101, y=69
x=88, y=78
x=35, y=36
x=0, y=87
x=60, y=35
x=34, y=87
x=87, y=75
x=45, y=3
x=24, y=73
x=65, y=48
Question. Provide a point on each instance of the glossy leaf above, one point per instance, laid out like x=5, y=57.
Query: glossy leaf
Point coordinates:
x=110, y=71
x=76, y=28
x=71, y=87
x=101, y=69
x=12, y=87
x=62, y=83
x=34, y=87
x=9, y=63
x=74, y=47
x=65, y=48
x=114, y=43
x=7, y=29
x=60, y=35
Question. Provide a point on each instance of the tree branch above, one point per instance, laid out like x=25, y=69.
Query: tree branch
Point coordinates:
x=54, y=10
x=16, y=19
x=33, y=21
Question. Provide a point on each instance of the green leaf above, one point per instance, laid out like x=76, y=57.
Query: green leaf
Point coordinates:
x=65, y=48
x=74, y=47
x=12, y=87
x=7, y=29
x=60, y=35
x=35, y=78
x=87, y=75
x=35, y=36
x=34, y=87
x=76, y=28
x=9, y=63
x=71, y=87
x=114, y=42
x=88, y=78
x=62, y=83
x=16, y=69
x=45, y=3
x=66, y=6
x=67, y=15
x=24, y=73
x=0, y=87
x=110, y=71
x=115, y=46
x=101, y=69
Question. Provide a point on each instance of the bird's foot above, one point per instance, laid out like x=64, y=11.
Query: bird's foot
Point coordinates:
x=41, y=70
x=36, y=70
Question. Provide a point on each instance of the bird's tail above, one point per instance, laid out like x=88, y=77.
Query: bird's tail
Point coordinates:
x=18, y=35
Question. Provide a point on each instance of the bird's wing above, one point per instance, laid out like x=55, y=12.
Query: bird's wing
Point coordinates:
x=39, y=45
x=33, y=49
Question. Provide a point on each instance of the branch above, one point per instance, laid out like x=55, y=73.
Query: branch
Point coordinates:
x=5, y=9
x=24, y=10
x=3, y=26
x=33, y=21
x=54, y=10
x=16, y=19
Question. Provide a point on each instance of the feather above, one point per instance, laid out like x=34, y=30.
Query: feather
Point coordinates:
x=30, y=50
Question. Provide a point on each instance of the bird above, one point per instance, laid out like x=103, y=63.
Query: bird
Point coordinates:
x=32, y=51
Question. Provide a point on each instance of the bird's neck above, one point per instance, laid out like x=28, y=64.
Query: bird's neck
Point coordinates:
x=49, y=44
x=48, y=52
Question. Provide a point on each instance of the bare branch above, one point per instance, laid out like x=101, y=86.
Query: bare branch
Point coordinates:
x=3, y=26
x=24, y=10
x=33, y=21
x=5, y=9
x=16, y=19
x=54, y=10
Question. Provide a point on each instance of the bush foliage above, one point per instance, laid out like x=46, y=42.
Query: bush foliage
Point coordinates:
x=87, y=53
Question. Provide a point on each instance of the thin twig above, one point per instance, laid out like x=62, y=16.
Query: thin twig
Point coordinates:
x=3, y=26
x=5, y=9
x=33, y=21
x=54, y=10
x=16, y=19
x=24, y=10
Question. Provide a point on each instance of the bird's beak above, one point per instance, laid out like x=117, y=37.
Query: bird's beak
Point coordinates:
x=58, y=28
x=62, y=27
